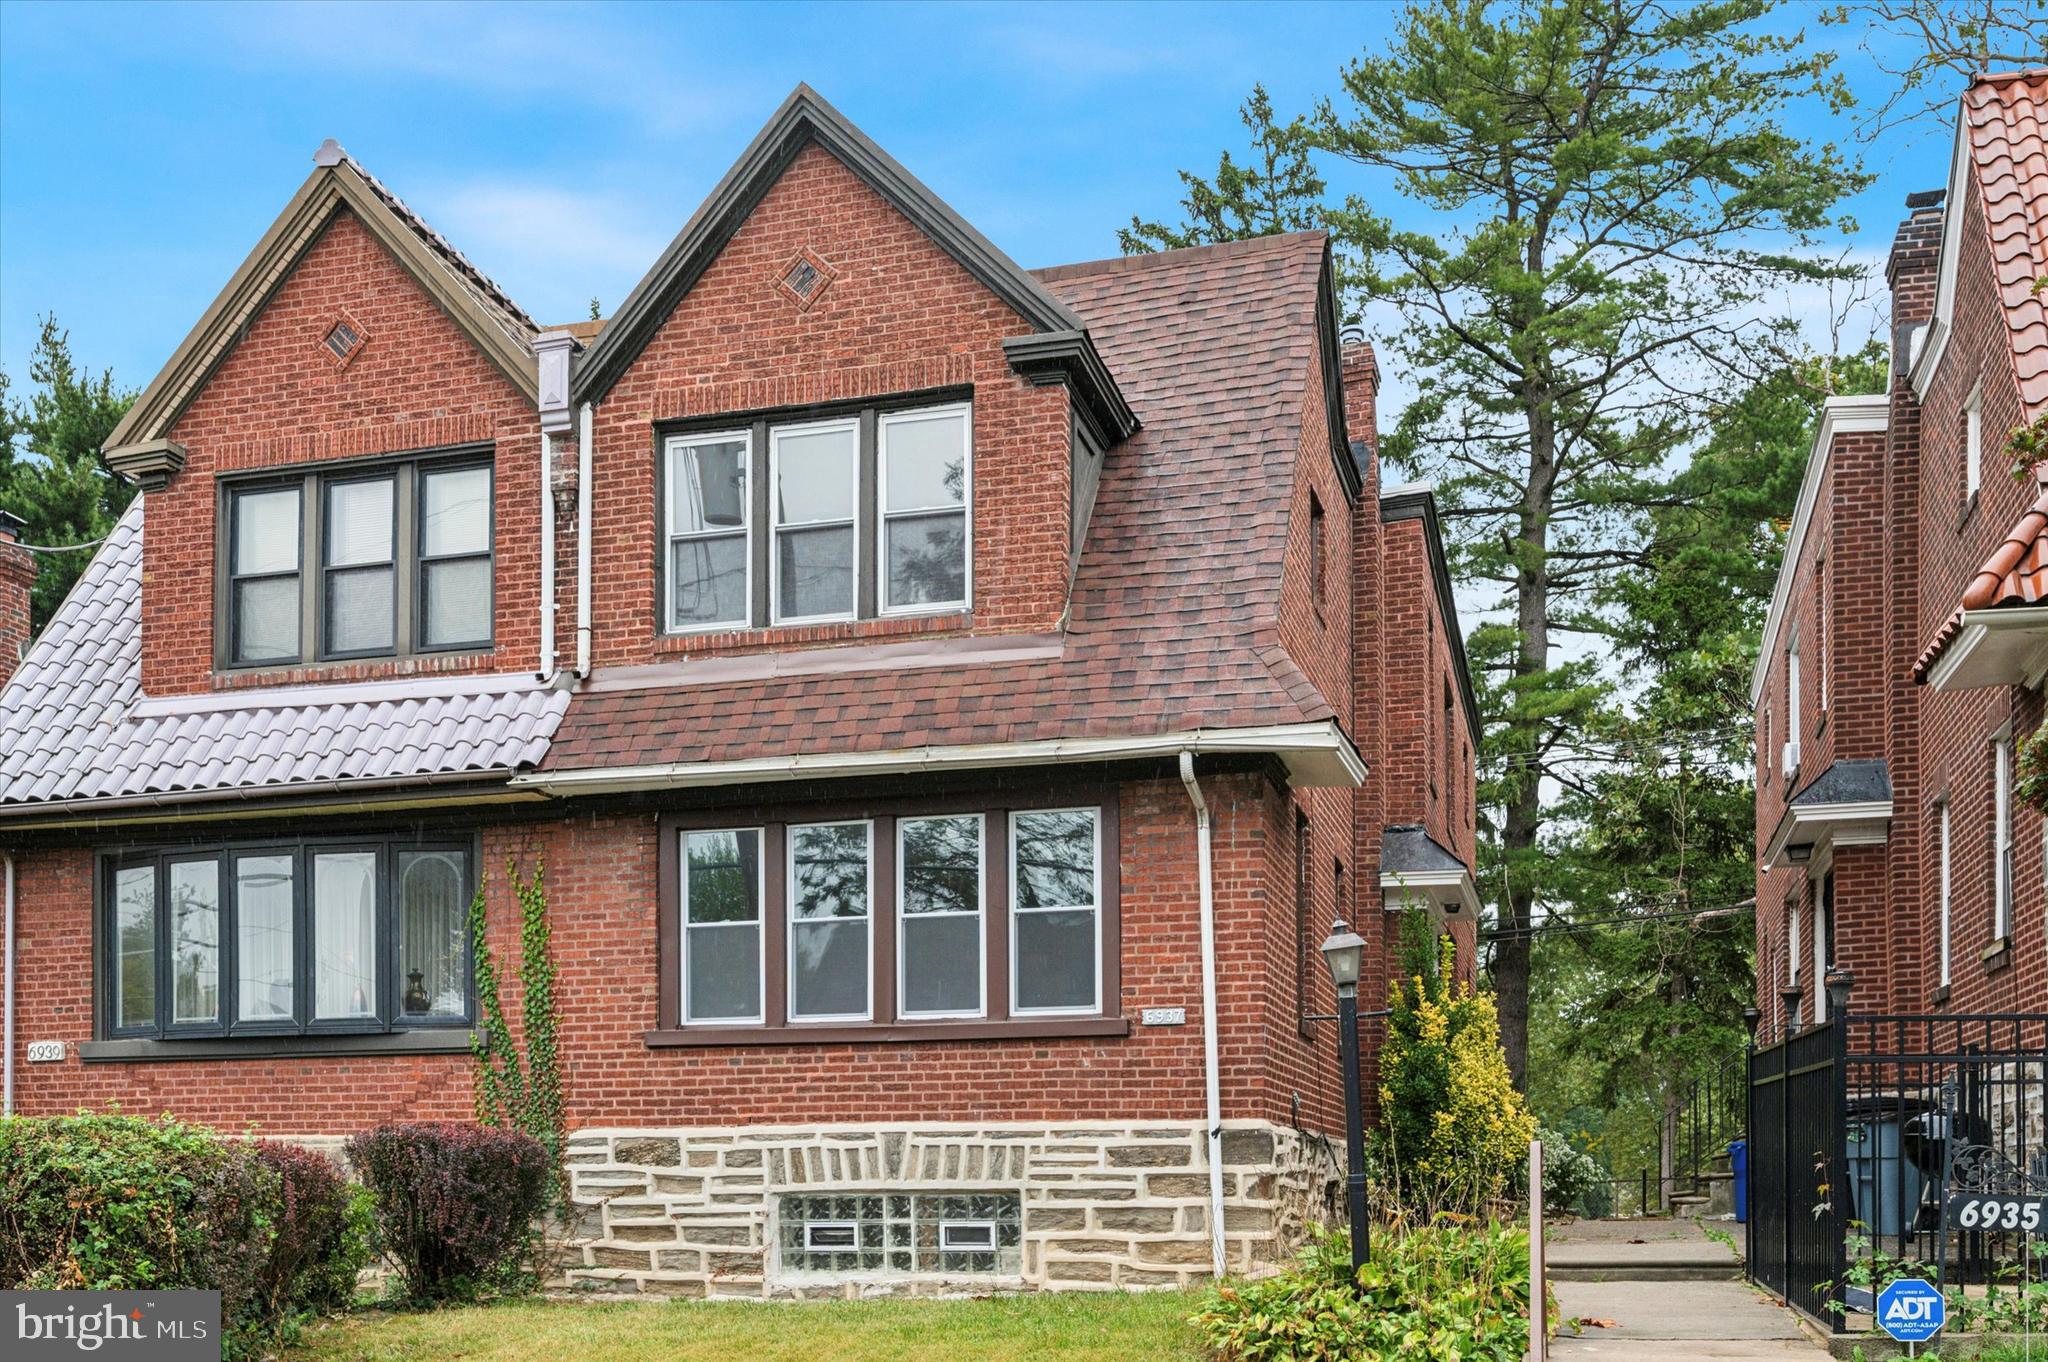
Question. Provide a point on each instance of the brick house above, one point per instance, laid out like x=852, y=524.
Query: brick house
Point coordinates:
x=1906, y=644
x=950, y=704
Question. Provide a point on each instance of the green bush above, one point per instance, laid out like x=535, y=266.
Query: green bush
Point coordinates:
x=1456, y=1132
x=1572, y=1182
x=1441, y=1293
x=111, y=1202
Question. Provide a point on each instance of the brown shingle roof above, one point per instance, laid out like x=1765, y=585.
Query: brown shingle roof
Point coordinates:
x=1174, y=607
x=2006, y=121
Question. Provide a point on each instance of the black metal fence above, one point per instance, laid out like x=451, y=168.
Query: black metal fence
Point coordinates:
x=1866, y=1133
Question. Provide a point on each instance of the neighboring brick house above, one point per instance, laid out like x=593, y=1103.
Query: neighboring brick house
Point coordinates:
x=902, y=664
x=1906, y=645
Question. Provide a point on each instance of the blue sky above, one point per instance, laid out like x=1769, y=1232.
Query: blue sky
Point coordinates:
x=144, y=149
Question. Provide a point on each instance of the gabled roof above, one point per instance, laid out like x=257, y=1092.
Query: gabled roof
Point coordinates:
x=2004, y=116
x=75, y=726
x=804, y=117
x=338, y=184
x=2001, y=145
x=1173, y=625
x=2014, y=576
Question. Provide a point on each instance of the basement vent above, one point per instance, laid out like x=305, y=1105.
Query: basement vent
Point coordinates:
x=343, y=341
x=802, y=279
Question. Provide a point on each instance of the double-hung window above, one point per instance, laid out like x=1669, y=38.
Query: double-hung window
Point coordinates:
x=286, y=938
x=709, y=511
x=374, y=560
x=939, y=902
x=814, y=473
x=924, y=509
x=959, y=914
x=1056, y=863
x=852, y=515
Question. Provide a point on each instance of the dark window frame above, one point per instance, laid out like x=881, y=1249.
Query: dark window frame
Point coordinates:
x=1304, y=918
x=886, y=1022
x=227, y=1025
x=408, y=580
x=1318, y=549
x=758, y=426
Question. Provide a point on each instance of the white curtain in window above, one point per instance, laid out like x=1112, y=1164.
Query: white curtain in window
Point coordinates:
x=345, y=934
x=263, y=938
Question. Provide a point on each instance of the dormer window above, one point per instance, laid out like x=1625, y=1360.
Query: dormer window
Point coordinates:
x=400, y=556
x=851, y=515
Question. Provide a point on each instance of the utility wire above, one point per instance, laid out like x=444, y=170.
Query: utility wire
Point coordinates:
x=1620, y=920
x=63, y=548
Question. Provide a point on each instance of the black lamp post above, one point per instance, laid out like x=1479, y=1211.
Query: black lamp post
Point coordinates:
x=1343, y=952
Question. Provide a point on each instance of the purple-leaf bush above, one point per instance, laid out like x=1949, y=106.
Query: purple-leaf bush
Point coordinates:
x=457, y=1205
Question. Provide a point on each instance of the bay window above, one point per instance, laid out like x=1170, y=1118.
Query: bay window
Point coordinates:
x=936, y=916
x=387, y=559
x=853, y=514
x=285, y=939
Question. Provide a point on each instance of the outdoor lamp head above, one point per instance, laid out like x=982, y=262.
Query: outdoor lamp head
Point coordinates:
x=1343, y=951
x=1751, y=1018
x=1792, y=998
x=1839, y=984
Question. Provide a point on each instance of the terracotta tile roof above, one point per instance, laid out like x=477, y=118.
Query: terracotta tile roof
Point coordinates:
x=2006, y=118
x=74, y=723
x=2016, y=573
x=1172, y=625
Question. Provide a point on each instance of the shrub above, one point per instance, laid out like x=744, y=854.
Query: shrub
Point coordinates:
x=111, y=1202
x=322, y=1241
x=1442, y=1293
x=456, y=1205
x=1456, y=1129
x=1572, y=1181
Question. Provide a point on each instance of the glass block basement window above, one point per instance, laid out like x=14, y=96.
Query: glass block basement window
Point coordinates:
x=934, y=1233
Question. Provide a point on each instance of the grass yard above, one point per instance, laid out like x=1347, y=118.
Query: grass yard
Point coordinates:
x=1051, y=1327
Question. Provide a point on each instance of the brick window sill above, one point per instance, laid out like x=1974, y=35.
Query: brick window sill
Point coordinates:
x=355, y=669
x=719, y=642
x=900, y=1033
x=443, y=1041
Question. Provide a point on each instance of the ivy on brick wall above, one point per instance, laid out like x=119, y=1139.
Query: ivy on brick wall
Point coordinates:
x=519, y=1086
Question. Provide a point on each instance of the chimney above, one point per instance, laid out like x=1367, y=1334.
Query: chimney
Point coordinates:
x=17, y=576
x=1361, y=372
x=1915, y=259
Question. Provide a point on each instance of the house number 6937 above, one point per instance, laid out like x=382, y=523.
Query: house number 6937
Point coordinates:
x=2026, y=1214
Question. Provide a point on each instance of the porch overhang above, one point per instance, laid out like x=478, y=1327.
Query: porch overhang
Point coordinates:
x=1847, y=805
x=1417, y=871
x=2001, y=646
x=1315, y=755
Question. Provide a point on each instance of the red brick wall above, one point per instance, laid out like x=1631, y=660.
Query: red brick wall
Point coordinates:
x=900, y=316
x=280, y=399
x=17, y=578
x=600, y=870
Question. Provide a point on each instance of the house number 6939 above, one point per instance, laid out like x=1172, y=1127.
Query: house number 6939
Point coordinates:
x=2025, y=1214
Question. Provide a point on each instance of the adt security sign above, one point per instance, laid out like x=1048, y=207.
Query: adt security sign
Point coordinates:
x=1911, y=1311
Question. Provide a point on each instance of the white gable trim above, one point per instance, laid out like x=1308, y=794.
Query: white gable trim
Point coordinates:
x=1838, y=416
x=1935, y=343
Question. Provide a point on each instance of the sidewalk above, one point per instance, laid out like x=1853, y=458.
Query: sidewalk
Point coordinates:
x=1663, y=1290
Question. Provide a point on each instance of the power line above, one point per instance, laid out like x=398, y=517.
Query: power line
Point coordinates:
x=1624, y=919
x=63, y=548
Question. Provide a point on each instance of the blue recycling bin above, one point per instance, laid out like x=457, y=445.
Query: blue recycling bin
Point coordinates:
x=1738, y=1160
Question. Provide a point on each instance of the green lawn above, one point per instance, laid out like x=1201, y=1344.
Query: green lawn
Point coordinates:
x=1052, y=1327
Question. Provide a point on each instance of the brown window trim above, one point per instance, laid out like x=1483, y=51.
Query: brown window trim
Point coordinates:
x=997, y=1022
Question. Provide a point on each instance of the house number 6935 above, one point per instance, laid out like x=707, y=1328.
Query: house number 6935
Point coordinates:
x=2025, y=1214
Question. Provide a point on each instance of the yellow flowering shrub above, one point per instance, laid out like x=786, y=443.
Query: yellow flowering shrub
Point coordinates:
x=1454, y=1128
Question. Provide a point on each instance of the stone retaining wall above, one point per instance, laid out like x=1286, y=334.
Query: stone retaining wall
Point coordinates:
x=692, y=1212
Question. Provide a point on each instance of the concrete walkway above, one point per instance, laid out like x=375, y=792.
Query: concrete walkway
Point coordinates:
x=1662, y=1290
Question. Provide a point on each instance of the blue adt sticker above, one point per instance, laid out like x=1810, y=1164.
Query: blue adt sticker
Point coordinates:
x=1911, y=1311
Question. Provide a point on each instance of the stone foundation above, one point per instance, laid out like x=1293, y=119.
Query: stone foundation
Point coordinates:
x=697, y=1211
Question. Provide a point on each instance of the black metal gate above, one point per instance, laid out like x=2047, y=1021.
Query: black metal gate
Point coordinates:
x=1797, y=1227
x=1863, y=1130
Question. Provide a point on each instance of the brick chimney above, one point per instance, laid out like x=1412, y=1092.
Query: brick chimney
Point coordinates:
x=1915, y=259
x=1361, y=370
x=17, y=575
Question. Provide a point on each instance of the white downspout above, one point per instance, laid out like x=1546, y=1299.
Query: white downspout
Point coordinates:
x=547, y=556
x=1211, y=1081
x=7, y=1083
x=583, y=535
